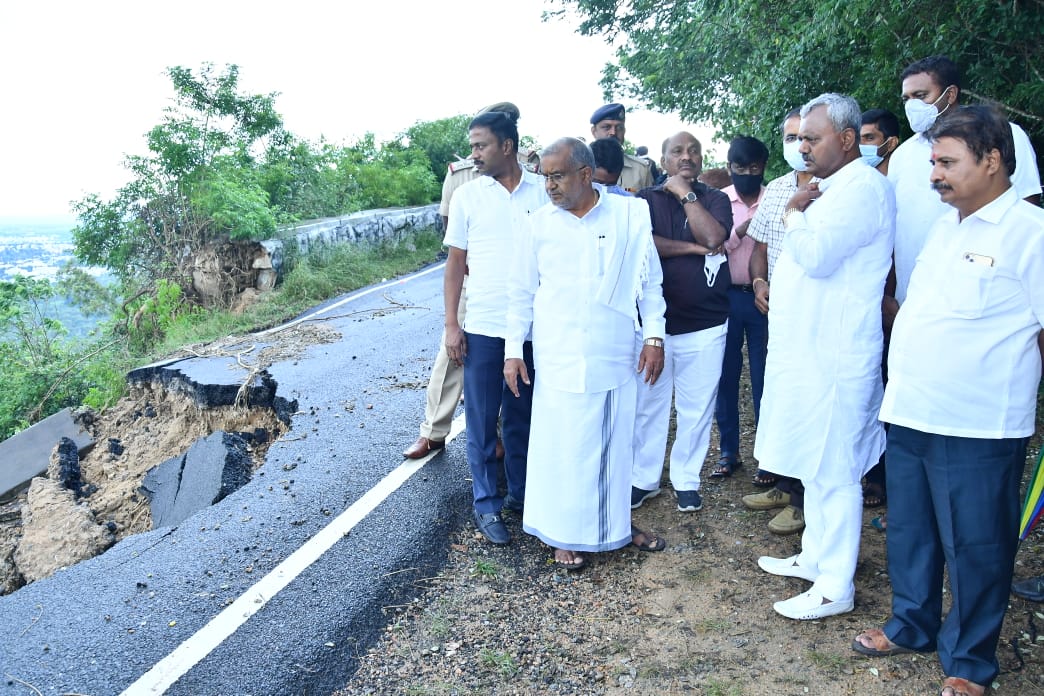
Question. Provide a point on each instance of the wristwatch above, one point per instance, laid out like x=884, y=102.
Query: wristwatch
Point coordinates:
x=654, y=342
x=689, y=197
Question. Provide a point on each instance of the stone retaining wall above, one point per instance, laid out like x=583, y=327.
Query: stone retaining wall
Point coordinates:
x=392, y=224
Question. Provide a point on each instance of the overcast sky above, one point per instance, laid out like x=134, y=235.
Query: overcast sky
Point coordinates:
x=83, y=81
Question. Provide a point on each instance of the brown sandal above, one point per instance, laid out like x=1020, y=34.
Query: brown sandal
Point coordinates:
x=955, y=686
x=880, y=645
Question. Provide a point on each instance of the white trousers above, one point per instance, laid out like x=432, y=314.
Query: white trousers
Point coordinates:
x=830, y=542
x=692, y=368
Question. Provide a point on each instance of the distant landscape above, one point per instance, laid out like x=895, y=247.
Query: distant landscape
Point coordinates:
x=38, y=248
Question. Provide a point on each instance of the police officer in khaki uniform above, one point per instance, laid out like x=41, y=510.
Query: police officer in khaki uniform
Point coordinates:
x=608, y=122
x=447, y=379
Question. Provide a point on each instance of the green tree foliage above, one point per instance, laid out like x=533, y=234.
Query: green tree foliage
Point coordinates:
x=42, y=370
x=197, y=184
x=443, y=141
x=742, y=64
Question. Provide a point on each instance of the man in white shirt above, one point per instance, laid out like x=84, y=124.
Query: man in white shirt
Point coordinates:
x=767, y=231
x=823, y=375
x=485, y=215
x=586, y=266
x=964, y=368
x=931, y=88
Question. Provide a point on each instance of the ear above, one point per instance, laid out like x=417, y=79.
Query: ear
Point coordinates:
x=952, y=95
x=849, y=139
x=994, y=162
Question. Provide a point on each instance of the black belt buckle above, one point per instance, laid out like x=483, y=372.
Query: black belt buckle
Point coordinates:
x=744, y=288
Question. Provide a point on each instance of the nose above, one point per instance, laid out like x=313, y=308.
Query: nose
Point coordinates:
x=804, y=148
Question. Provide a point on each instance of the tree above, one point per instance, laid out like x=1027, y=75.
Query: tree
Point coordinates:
x=443, y=141
x=742, y=64
x=197, y=185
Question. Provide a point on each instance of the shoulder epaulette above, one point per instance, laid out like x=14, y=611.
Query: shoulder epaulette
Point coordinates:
x=460, y=165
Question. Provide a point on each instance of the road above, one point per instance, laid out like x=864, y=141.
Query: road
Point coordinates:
x=279, y=587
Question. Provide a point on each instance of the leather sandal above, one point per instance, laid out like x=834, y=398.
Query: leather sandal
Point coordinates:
x=955, y=686
x=880, y=645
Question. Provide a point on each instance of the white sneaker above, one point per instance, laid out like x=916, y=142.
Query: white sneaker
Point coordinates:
x=787, y=567
x=809, y=605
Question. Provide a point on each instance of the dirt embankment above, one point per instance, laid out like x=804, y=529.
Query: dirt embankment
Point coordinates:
x=150, y=425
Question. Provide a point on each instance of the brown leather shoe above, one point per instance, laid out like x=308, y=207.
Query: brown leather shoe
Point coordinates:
x=422, y=447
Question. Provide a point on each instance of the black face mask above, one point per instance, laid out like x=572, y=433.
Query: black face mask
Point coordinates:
x=747, y=184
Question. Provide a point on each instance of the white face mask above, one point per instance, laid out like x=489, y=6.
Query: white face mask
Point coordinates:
x=922, y=115
x=793, y=157
x=869, y=154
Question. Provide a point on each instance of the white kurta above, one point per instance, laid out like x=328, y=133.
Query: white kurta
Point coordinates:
x=577, y=282
x=823, y=374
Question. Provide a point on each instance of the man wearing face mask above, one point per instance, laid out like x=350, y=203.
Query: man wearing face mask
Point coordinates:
x=931, y=88
x=766, y=229
x=746, y=166
x=879, y=138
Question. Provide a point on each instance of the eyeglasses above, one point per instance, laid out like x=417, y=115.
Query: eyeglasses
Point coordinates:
x=557, y=177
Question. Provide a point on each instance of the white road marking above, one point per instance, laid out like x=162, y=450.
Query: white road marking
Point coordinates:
x=361, y=293
x=201, y=643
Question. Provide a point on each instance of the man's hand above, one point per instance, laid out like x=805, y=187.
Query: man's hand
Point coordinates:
x=678, y=185
x=804, y=196
x=456, y=345
x=513, y=369
x=650, y=361
x=761, y=296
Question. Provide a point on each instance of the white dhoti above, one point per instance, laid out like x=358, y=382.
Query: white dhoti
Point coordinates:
x=578, y=484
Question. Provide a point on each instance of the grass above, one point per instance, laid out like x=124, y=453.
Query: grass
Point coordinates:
x=485, y=569
x=827, y=660
x=714, y=625
x=498, y=661
x=314, y=279
x=715, y=687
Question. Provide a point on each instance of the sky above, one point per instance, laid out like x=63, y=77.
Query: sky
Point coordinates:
x=83, y=82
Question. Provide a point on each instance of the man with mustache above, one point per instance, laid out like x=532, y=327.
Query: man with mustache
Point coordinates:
x=823, y=373
x=484, y=218
x=609, y=122
x=964, y=368
x=690, y=222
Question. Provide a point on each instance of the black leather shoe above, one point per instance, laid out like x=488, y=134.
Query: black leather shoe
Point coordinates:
x=1032, y=589
x=492, y=527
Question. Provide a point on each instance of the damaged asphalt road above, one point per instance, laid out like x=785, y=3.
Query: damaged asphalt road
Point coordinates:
x=97, y=627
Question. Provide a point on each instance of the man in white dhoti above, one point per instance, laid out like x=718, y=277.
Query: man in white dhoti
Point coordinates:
x=823, y=376
x=586, y=266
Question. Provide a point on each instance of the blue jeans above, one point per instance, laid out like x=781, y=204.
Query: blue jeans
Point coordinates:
x=485, y=397
x=744, y=320
x=952, y=500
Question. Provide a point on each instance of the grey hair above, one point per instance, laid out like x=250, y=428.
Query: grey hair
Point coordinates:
x=842, y=110
x=580, y=154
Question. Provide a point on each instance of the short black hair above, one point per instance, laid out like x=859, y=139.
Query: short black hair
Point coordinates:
x=500, y=124
x=796, y=111
x=745, y=150
x=608, y=154
x=943, y=70
x=982, y=128
x=885, y=120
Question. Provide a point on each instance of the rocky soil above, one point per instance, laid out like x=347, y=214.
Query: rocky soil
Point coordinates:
x=696, y=618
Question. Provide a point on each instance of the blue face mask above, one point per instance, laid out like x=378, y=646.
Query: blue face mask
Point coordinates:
x=869, y=153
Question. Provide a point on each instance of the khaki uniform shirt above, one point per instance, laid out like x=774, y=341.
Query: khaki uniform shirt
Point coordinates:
x=636, y=174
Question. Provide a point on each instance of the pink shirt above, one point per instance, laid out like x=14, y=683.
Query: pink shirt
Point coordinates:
x=739, y=249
